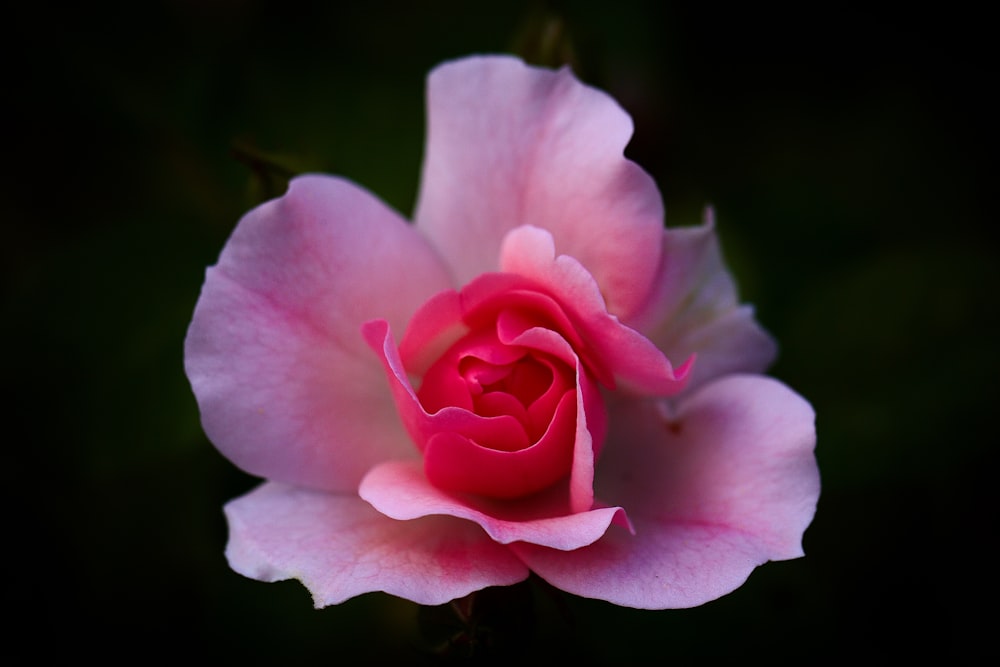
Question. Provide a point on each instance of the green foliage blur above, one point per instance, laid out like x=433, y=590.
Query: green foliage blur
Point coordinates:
x=845, y=153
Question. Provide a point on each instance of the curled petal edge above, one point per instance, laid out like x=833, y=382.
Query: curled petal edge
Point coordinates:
x=400, y=490
x=634, y=361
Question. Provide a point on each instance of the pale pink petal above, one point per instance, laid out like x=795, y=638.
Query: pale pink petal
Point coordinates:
x=512, y=145
x=696, y=310
x=736, y=454
x=654, y=569
x=634, y=361
x=399, y=489
x=339, y=547
x=729, y=342
x=727, y=483
x=287, y=387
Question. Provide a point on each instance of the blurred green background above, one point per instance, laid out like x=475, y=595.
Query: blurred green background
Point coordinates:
x=845, y=151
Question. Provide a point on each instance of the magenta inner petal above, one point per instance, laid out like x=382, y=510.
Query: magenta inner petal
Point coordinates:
x=485, y=346
x=541, y=409
x=481, y=374
x=496, y=403
x=531, y=310
x=530, y=380
x=443, y=387
x=526, y=380
x=486, y=294
x=455, y=462
x=458, y=375
x=514, y=329
x=504, y=432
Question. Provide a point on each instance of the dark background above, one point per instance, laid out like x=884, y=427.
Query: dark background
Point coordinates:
x=845, y=150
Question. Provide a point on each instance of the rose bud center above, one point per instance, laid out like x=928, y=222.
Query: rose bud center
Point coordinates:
x=521, y=434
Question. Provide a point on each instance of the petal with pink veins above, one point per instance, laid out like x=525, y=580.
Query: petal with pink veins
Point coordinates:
x=510, y=145
x=286, y=386
x=339, y=547
x=727, y=483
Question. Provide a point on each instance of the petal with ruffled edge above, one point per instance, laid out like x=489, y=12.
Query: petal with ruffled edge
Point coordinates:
x=695, y=309
x=400, y=489
x=287, y=388
x=726, y=484
x=511, y=145
x=339, y=547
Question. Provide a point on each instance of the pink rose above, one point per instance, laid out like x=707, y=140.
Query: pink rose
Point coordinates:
x=448, y=405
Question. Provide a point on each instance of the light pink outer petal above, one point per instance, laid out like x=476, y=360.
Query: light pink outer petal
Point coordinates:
x=696, y=311
x=512, y=145
x=286, y=384
x=727, y=484
x=635, y=362
x=339, y=547
x=400, y=489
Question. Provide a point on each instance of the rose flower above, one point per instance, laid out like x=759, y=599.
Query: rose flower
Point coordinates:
x=447, y=405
